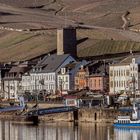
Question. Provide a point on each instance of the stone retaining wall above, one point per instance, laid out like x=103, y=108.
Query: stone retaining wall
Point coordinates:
x=84, y=115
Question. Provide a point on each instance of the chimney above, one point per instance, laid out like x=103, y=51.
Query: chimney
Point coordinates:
x=66, y=41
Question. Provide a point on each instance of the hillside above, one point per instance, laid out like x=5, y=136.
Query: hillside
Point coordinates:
x=103, y=17
x=20, y=46
x=105, y=13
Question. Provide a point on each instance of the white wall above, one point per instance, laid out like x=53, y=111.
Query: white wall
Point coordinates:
x=31, y=82
x=11, y=88
x=118, y=78
x=63, y=82
x=121, y=75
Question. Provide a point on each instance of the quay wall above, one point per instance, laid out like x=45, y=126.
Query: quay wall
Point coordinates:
x=84, y=115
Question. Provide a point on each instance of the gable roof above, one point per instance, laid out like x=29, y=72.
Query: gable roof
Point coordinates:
x=126, y=61
x=51, y=63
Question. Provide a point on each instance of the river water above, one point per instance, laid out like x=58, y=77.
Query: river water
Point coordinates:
x=64, y=131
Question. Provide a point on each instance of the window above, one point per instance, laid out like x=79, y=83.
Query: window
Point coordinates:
x=53, y=77
x=33, y=69
x=122, y=74
x=121, y=83
x=47, y=86
x=111, y=73
x=127, y=72
x=114, y=73
x=133, y=60
x=111, y=84
x=116, y=83
x=66, y=86
x=52, y=86
x=99, y=82
x=66, y=78
x=95, y=82
x=63, y=70
x=124, y=83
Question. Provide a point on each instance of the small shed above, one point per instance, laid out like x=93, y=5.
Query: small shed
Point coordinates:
x=71, y=101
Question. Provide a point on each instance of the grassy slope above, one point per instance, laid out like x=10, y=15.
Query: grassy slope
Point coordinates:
x=17, y=46
x=101, y=47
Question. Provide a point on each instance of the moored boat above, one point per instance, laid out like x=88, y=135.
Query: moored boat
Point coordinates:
x=132, y=121
x=126, y=122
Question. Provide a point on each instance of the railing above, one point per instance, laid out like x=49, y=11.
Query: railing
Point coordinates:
x=14, y=108
x=51, y=110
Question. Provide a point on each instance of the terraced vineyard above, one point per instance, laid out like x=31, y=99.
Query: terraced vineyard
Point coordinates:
x=101, y=47
x=45, y=16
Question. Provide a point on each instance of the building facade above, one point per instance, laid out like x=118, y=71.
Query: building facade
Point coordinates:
x=125, y=76
x=63, y=80
x=66, y=76
x=98, y=83
x=44, y=75
x=12, y=81
x=81, y=78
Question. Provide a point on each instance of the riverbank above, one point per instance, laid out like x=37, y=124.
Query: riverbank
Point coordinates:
x=84, y=115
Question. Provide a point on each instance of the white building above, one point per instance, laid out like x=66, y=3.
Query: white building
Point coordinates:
x=66, y=76
x=12, y=81
x=125, y=75
x=44, y=75
x=64, y=80
x=12, y=88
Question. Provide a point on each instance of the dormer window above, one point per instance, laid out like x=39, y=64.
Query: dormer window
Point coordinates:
x=133, y=60
x=33, y=69
x=63, y=70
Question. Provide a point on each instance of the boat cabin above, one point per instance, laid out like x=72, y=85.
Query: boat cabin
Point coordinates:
x=123, y=119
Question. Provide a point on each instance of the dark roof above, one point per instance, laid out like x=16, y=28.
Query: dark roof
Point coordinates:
x=17, y=69
x=52, y=62
x=128, y=60
x=71, y=65
x=98, y=68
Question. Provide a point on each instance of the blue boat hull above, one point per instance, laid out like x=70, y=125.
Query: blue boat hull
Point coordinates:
x=127, y=125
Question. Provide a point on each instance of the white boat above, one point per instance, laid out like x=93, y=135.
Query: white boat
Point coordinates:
x=132, y=121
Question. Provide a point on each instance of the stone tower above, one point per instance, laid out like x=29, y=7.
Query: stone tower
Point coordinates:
x=66, y=41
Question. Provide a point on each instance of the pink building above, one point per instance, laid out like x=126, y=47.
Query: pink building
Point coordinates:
x=98, y=83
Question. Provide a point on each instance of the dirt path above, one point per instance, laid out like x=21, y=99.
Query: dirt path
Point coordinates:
x=125, y=20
